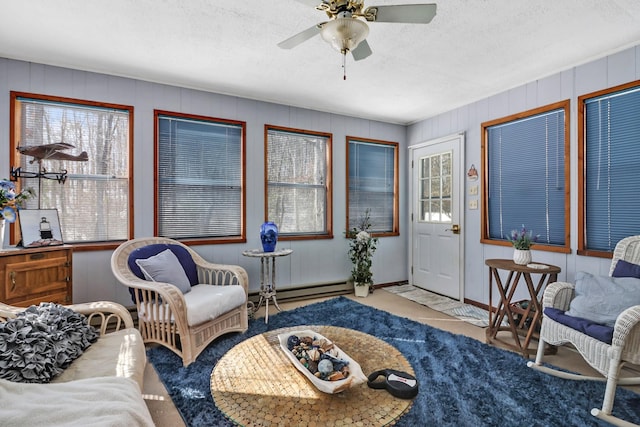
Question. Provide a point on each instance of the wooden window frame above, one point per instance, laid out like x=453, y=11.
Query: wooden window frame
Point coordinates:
x=484, y=238
x=395, y=231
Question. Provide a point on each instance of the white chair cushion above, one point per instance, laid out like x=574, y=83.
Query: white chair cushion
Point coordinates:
x=206, y=302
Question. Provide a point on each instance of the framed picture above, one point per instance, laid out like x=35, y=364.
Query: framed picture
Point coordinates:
x=40, y=227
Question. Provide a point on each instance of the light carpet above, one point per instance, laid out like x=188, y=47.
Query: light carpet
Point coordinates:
x=467, y=312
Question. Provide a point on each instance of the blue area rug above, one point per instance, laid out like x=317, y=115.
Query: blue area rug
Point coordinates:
x=463, y=382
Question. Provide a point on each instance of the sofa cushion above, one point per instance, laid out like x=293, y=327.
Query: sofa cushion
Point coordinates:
x=595, y=330
x=96, y=402
x=165, y=267
x=116, y=354
x=601, y=298
x=42, y=341
x=626, y=269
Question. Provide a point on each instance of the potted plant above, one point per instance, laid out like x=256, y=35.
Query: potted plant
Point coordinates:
x=361, y=248
x=522, y=240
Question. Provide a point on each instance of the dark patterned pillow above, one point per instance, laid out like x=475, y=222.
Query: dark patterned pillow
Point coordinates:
x=41, y=342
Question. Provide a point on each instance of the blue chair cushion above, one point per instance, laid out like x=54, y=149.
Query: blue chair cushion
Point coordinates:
x=626, y=269
x=595, y=330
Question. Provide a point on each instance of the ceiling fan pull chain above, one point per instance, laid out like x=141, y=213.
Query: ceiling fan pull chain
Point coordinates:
x=344, y=65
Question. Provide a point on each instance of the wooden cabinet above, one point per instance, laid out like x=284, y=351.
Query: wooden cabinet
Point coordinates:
x=31, y=276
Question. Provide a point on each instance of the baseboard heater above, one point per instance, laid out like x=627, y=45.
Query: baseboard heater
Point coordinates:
x=297, y=293
x=316, y=290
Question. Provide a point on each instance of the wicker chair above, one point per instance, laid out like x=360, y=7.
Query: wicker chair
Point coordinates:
x=163, y=309
x=607, y=359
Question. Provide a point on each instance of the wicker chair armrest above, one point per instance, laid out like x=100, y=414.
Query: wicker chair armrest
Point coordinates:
x=558, y=295
x=222, y=274
x=626, y=331
x=9, y=311
x=149, y=293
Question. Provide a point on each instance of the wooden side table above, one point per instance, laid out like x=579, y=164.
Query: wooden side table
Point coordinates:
x=33, y=275
x=267, y=277
x=548, y=274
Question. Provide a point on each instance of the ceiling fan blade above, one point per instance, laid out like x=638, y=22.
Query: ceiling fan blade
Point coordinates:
x=310, y=2
x=361, y=51
x=302, y=36
x=404, y=13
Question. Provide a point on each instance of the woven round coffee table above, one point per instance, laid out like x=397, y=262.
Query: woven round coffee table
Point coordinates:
x=255, y=384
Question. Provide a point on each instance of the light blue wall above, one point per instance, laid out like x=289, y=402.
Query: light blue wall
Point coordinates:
x=319, y=260
x=315, y=261
x=622, y=67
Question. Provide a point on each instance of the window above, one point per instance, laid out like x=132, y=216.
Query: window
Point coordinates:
x=435, y=181
x=525, y=166
x=372, y=184
x=94, y=201
x=298, y=182
x=200, y=178
x=608, y=161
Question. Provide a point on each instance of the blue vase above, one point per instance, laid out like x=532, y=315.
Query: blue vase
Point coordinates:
x=269, y=236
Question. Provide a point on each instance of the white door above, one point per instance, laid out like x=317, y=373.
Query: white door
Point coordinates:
x=437, y=263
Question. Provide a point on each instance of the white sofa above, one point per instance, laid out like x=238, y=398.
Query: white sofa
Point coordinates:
x=103, y=387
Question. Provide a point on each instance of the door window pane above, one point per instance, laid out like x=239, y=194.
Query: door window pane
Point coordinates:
x=436, y=180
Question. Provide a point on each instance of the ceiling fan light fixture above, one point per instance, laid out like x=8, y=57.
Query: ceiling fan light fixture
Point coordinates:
x=344, y=34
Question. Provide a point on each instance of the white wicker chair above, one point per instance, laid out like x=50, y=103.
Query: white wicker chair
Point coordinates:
x=162, y=310
x=607, y=359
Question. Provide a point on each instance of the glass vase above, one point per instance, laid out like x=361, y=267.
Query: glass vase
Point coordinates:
x=269, y=236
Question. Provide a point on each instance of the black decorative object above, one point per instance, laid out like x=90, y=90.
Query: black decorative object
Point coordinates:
x=269, y=236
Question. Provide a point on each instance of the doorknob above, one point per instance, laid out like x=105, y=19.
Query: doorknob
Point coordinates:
x=455, y=228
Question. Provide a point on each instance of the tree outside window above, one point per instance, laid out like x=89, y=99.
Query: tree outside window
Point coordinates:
x=298, y=182
x=94, y=202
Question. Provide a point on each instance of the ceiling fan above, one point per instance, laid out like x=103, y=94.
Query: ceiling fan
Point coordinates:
x=346, y=31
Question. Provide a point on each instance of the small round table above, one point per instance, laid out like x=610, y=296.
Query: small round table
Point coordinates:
x=255, y=383
x=267, y=277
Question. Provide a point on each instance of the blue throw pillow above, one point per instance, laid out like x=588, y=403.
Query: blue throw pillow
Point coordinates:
x=626, y=269
x=601, y=298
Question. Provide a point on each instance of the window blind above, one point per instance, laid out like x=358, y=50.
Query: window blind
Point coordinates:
x=199, y=178
x=297, y=182
x=93, y=203
x=527, y=177
x=612, y=155
x=371, y=184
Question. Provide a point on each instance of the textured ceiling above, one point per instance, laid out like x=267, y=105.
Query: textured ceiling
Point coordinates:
x=471, y=49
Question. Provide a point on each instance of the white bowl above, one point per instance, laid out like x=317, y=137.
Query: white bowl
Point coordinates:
x=356, y=376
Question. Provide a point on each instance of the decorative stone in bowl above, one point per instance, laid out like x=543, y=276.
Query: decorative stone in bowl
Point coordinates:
x=329, y=368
